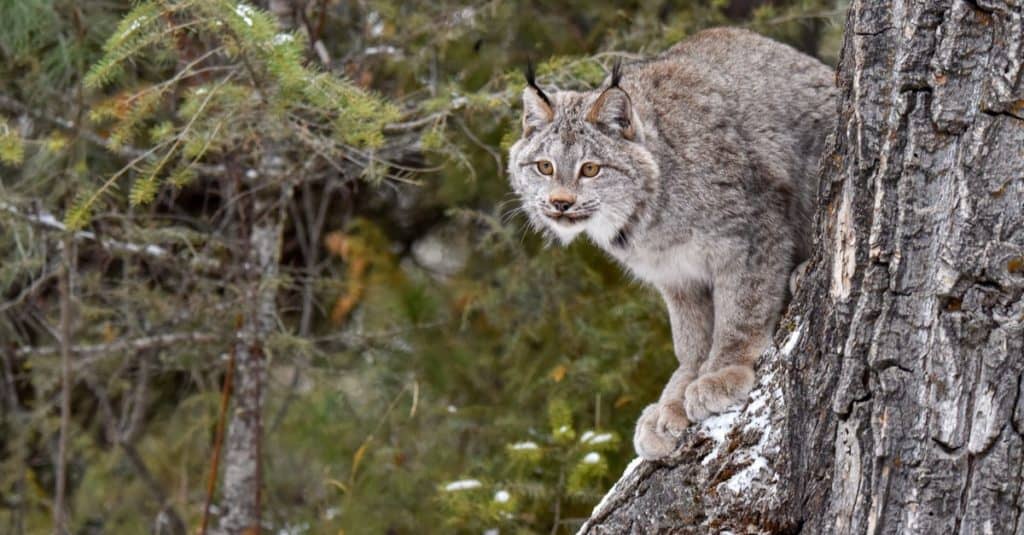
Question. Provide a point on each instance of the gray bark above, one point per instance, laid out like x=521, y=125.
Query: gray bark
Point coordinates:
x=242, y=463
x=893, y=400
x=270, y=190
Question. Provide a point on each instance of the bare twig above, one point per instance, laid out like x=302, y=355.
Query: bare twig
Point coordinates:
x=153, y=486
x=59, y=513
x=48, y=221
x=134, y=344
x=558, y=501
x=31, y=289
x=134, y=406
x=400, y=128
x=499, y=166
x=314, y=219
x=218, y=441
x=123, y=438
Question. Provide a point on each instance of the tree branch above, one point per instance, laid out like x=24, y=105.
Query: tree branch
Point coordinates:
x=48, y=221
x=124, y=439
x=12, y=105
x=135, y=344
x=725, y=474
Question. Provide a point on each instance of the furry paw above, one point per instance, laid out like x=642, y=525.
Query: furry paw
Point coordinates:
x=658, y=428
x=716, y=391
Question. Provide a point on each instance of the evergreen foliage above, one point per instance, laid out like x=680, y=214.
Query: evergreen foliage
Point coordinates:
x=435, y=366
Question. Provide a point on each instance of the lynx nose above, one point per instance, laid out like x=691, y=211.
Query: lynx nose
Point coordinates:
x=561, y=199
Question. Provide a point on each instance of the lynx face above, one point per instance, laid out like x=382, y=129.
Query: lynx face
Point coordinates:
x=581, y=164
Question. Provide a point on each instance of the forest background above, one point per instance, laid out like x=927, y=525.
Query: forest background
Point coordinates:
x=183, y=181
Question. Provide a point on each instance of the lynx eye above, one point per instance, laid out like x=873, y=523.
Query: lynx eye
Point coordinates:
x=545, y=167
x=590, y=170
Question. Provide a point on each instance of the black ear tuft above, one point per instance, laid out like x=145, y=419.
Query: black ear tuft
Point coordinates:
x=531, y=80
x=613, y=109
x=538, y=109
x=616, y=73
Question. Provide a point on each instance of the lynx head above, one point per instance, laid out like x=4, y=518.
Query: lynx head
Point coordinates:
x=581, y=163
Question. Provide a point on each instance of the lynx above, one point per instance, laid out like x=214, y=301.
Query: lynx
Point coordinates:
x=696, y=170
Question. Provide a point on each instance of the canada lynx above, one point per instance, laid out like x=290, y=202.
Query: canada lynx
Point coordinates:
x=696, y=170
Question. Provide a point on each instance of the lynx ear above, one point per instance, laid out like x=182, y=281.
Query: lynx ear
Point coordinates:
x=613, y=109
x=537, y=108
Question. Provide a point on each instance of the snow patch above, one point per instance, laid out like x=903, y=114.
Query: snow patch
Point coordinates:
x=48, y=220
x=740, y=481
x=527, y=445
x=757, y=414
x=719, y=425
x=384, y=50
x=467, y=14
x=283, y=38
x=463, y=484
x=296, y=529
x=502, y=496
x=376, y=24
x=136, y=24
x=792, y=340
x=592, y=458
x=245, y=12
x=590, y=437
x=755, y=417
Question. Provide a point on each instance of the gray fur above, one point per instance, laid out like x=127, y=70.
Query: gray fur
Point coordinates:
x=708, y=156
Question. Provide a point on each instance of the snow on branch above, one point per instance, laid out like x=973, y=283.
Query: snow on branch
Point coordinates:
x=48, y=221
x=722, y=476
x=134, y=344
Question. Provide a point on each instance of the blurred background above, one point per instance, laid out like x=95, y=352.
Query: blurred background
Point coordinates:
x=316, y=186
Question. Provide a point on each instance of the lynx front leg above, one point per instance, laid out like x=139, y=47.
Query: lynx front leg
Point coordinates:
x=747, y=305
x=661, y=423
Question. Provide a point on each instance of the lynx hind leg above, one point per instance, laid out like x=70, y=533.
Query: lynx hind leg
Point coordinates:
x=717, y=391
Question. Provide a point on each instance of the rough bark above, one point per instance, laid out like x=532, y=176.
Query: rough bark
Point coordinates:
x=893, y=400
x=269, y=191
x=242, y=463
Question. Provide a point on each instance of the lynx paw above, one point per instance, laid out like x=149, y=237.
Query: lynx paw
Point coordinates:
x=658, y=428
x=714, y=392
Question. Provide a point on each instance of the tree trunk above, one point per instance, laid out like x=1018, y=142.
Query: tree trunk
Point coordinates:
x=242, y=461
x=892, y=400
x=270, y=192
